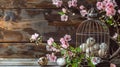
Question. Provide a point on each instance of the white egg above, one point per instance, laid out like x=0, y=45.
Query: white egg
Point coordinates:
x=83, y=47
x=90, y=41
x=96, y=46
x=80, y=46
x=91, y=49
x=101, y=53
x=103, y=46
x=61, y=61
x=88, y=50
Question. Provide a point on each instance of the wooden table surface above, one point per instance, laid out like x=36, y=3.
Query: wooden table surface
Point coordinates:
x=23, y=62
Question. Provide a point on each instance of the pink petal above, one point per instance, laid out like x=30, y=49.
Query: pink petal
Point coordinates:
x=83, y=12
x=119, y=11
x=100, y=5
x=112, y=65
x=50, y=41
x=81, y=7
x=67, y=37
x=64, y=17
x=69, y=3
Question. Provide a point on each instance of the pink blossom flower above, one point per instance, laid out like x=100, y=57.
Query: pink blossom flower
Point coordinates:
x=64, y=10
x=119, y=11
x=69, y=3
x=106, y=1
x=83, y=13
x=34, y=36
x=70, y=53
x=72, y=3
x=110, y=5
x=64, y=43
x=95, y=60
x=62, y=40
x=115, y=36
x=114, y=3
x=112, y=65
x=67, y=37
x=51, y=48
x=110, y=12
x=82, y=7
x=50, y=41
x=48, y=48
x=54, y=2
x=55, y=49
x=64, y=17
x=100, y=5
x=57, y=3
x=51, y=57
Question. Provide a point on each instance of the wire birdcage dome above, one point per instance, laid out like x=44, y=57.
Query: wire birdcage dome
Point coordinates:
x=92, y=36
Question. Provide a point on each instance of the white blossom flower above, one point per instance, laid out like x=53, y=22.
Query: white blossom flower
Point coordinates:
x=34, y=36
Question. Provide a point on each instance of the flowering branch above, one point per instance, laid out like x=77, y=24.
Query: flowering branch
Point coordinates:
x=36, y=38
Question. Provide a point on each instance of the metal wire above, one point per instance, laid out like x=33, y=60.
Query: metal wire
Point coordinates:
x=92, y=28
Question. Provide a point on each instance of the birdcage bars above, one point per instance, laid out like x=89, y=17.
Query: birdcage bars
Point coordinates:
x=92, y=31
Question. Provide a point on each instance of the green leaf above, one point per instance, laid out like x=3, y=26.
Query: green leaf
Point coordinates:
x=63, y=51
x=61, y=13
x=75, y=65
x=68, y=60
x=54, y=44
x=90, y=63
x=40, y=38
x=71, y=48
x=109, y=20
x=67, y=65
x=82, y=56
x=78, y=49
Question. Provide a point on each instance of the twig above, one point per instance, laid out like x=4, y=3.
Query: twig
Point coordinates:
x=115, y=53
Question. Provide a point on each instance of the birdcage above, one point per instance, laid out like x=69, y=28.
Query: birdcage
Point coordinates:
x=92, y=36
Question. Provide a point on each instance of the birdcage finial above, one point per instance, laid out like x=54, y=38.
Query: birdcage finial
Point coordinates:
x=92, y=13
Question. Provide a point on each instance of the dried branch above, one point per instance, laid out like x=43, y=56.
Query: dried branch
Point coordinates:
x=115, y=53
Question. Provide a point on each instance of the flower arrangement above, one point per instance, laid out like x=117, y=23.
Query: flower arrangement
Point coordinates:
x=69, y=56
x=108, y=12
x=74, y=56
